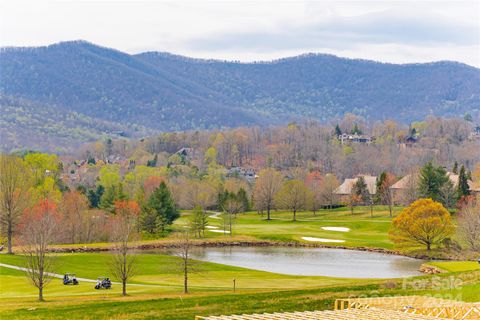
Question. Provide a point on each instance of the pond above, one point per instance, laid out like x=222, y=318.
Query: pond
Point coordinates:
x=313, y=261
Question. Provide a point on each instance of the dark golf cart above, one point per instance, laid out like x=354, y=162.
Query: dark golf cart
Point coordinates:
x=103, y=283
x=70, y=278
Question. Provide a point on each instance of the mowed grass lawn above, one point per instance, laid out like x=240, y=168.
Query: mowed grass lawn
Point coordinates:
x=156, y=290
x=156, y=273
x=157, y=294
x=456, y=266
x=365, y=230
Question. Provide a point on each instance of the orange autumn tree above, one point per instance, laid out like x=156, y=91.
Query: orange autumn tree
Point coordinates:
x=424, y=222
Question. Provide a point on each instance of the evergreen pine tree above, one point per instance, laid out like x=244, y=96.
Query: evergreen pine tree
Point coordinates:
x=455, y=167
x=338, y=131
x=243, y=198
x=356, y=130
x=162, y=202
x=153, y=162
x=432, y=181
x=94, y=196
x=108, y=198
x=222, y=198
x=149, y=220
x=120, y=195
x=463, y=189
x=380, y=183
x=112, y=194
x=361, y=190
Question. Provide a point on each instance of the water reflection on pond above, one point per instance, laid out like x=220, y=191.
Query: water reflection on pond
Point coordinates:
x=313, y=261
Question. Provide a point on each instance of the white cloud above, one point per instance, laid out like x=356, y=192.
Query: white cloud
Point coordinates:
x=392, y=31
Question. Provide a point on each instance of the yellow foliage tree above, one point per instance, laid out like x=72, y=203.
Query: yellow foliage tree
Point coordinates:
x=424, y=222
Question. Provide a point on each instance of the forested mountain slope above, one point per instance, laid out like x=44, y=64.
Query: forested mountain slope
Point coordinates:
x=325, y=86
x=28, y=125
x=161, y=92
x=111, y=85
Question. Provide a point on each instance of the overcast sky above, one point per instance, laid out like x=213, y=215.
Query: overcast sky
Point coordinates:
x=390, y=31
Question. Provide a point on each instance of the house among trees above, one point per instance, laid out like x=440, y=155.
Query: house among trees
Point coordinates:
x=355, y=138
x=475, y=134
x=411, y=140
x=405, y=190
x=454, y=178
x=186, y=154
x=345, y=189
x=116, y=159
x=240, y=172
x=408, y=142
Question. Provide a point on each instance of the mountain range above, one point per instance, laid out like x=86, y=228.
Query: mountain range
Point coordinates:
x=76, y=91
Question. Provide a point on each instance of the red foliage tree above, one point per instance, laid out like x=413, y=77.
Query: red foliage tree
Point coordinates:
x=39, y=228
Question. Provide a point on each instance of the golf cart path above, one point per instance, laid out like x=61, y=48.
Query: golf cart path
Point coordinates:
x=215, y=214
x=56, y=275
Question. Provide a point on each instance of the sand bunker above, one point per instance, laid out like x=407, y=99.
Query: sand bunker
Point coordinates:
x=219, y=231
x=322, y=240
x=211, y=227
x=340, y=229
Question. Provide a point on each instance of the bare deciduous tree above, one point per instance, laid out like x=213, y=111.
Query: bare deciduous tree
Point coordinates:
x=14, y=185
x=314, y=182
x=123, y=265
x=292, y=196
x=329, y=185
x=411, y=192
x=198, y=193
x=198, y=222
x=72, y=207
x=447, y=195
x=39, y=230
x=352, y=200
x=183, y=247
x=268, y=184
x=469, y=223
x=231, y=207
x=384, y=192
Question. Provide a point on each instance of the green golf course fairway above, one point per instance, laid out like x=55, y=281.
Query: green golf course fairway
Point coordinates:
x=156, y=291
x=156, y=273
x=365, y=231
x=456, y=266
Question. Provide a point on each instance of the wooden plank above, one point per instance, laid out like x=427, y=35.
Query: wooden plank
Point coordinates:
x=345, y=314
